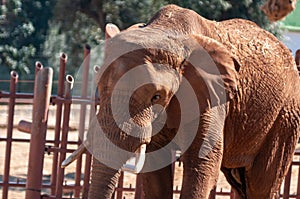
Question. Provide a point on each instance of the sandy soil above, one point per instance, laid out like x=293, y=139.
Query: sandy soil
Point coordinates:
x=19, y=157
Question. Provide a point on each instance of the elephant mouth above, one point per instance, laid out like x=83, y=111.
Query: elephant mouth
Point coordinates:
x=135, y=164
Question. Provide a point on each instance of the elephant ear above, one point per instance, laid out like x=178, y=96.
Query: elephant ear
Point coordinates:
x=215, y=64
x=209, y=79
x=111, y=30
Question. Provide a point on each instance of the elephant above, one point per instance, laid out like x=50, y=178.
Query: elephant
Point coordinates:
x=224, y=93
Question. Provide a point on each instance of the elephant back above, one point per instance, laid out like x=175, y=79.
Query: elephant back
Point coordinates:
x=267, y=71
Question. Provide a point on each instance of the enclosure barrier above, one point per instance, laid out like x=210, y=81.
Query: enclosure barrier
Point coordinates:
x=59, y=145
x=42, y=93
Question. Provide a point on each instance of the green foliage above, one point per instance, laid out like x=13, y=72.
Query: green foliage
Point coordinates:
x=32, y=30
x=227, y=9
x=15, y=51
x=80, y=22
x=122, y=12
x=71, y=40
x=129, y=12
x=23, y=28
x=251, y=10
x=209, y=9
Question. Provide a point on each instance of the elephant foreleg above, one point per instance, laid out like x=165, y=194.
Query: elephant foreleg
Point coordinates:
x=200, y=174
x=158, y=184
x=157, y=181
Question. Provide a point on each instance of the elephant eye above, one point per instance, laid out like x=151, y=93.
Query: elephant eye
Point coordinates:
x=155, y=98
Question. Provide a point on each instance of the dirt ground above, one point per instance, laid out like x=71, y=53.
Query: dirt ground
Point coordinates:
x=19, y=163
x=20, y=151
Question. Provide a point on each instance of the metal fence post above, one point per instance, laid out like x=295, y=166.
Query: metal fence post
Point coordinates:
x=10, y=123
x=84, y=93
x=64, y=136
x=232, y=194
x=287, y=184
x=119, y=191
x=213, y=193
x=60, y=93
x=42, y=93
x=139, y=194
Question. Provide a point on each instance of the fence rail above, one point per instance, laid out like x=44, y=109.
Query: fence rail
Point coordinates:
x=60, y=145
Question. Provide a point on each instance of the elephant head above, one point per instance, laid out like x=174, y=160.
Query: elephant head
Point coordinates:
x=149, y=76
x=278, y=9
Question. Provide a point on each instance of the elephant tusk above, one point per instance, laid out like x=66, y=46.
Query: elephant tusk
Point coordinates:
x=139, y=161
x=74, y=156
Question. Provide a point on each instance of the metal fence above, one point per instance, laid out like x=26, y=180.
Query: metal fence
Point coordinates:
x=60, y=145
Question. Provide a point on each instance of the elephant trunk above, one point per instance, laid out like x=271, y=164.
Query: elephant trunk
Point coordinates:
x=113, y=139
x=103, y=181
x=107, y=160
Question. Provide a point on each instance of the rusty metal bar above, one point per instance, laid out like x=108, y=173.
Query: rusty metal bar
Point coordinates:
x=232, y=194
x=10, y=123
x=28, y=140
x=18, y=101
x=287, y=184
x=47, y=186
x=213, y=193
x=38, y=66
x=125, y=189
x=4, y=94
x=25, y=98
x=173, y=156
x=58, y=116
x=298, y=184
x=60, y=100
x=84, y=89
x=88, y=157
x=139, y=194
x=120, y=185
x=53, y=197
x=42, y=93
x=24, y=126
x=87, y=172
x=64, y=136
x=50, y=149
